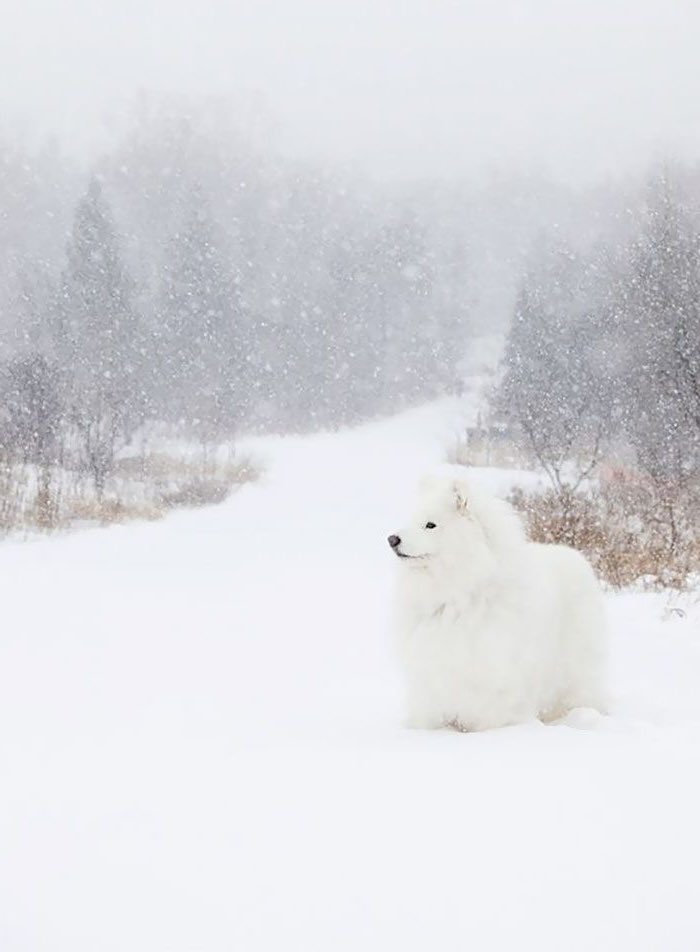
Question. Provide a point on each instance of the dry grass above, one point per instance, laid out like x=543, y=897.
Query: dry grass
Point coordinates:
x=189, y=483
x=108, y=512
x=143, y=487
x=632, y=536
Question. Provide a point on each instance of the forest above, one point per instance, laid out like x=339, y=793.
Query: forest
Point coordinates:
x=194, y=280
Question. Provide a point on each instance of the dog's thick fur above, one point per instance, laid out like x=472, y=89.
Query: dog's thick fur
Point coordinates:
x=493, y=630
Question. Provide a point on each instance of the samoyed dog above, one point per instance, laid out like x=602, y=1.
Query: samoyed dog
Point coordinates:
x=493, y=629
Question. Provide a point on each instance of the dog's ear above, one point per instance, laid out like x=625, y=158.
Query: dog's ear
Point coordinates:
x=459, y=491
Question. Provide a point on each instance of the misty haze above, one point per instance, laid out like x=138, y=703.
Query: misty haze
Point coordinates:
x=265, y=266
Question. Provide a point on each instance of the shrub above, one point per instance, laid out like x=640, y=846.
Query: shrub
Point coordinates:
x=632, y=534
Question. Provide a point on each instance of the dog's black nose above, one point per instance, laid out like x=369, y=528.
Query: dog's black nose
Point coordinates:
x=394, y=541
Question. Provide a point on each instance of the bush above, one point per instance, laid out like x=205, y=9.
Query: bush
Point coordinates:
x=632, y=534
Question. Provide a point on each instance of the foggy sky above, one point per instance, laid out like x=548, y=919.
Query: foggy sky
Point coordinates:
x=413, y=88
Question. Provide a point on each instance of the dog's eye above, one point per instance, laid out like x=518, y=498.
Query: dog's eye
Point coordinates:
x=430, y=525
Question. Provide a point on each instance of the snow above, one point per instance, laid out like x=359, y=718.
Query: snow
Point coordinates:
x=202, y=745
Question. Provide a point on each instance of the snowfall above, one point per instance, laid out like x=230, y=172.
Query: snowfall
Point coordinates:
x=202, y=748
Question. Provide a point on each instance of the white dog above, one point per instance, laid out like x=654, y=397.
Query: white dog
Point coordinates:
x=493, y=630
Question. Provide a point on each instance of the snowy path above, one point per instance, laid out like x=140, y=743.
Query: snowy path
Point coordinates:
x=201, y=746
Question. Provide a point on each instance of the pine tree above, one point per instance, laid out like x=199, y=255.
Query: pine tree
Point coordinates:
x=201, y=362
x=97, y=337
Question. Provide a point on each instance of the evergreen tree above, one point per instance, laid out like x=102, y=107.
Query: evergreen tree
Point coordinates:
x=199, y=328
x=97, y=336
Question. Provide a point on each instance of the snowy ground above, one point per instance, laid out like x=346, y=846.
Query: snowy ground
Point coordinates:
x=201, y=746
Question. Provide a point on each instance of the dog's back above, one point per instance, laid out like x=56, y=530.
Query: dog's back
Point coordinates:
x=579, y=610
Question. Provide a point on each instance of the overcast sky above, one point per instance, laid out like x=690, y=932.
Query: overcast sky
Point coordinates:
x=405, y=87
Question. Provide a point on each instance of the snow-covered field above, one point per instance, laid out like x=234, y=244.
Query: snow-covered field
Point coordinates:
x=201, y=744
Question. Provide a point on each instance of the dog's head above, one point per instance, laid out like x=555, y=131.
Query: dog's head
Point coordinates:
x=455, y=525
x=442, y=506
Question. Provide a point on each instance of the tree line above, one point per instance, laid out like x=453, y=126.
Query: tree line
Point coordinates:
x=199, y=280
x=193, y=276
